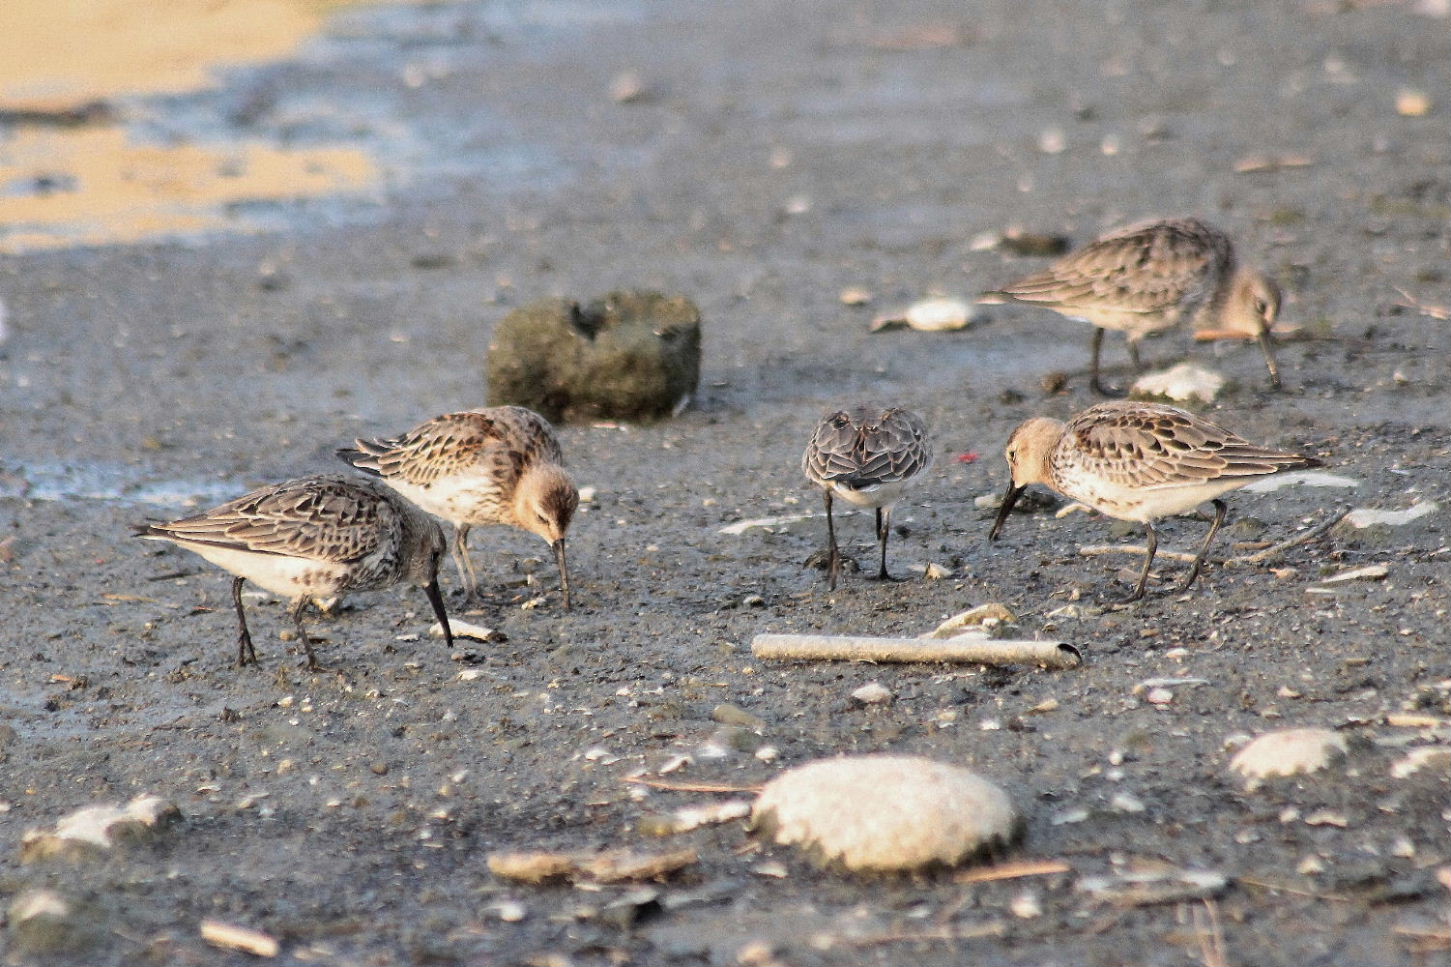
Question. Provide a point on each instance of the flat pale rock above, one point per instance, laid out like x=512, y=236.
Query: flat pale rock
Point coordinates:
x=1288, y=752
x=885, y=813
x=96, y=829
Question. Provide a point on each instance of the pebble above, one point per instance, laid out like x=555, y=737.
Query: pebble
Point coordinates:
x=873, y=693
x=1026, y=906
x=96, y=829
x=1124, y=802
x=1411, y=103
x=1287, y=752
x=728, y=714
x=885, y=812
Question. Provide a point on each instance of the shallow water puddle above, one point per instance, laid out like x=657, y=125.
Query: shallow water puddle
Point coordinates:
x=71, y=175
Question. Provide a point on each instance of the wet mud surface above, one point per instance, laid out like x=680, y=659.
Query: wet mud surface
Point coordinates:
x=779, y=154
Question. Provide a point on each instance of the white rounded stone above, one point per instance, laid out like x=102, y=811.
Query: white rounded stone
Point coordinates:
x=885, y=813
x=1288, y=752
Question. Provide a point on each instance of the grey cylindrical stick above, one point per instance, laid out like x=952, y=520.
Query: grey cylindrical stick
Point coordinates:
x=987, y=651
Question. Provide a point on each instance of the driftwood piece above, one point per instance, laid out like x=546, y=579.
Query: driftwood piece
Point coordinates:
x=971, y=648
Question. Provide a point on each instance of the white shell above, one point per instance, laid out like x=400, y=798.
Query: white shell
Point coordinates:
x=885, y=812
x=940, y=315
x=1184, y=383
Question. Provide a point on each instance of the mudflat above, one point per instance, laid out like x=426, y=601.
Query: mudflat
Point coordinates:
x=761, y=159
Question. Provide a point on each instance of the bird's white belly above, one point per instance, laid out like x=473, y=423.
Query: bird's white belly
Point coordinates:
x=289, y=577
x=1151, y=503
x=881, y=495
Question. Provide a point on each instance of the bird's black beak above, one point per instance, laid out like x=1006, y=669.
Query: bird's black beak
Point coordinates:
x=435, y=598
x=1267, y=346
x=563, y=570
x=1009, y=498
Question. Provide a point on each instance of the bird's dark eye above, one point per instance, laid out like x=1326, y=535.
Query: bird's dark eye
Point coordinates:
x=1261, y=306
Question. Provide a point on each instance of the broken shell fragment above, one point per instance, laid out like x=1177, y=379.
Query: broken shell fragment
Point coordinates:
x=1184, y=383
x=96, y=829
x=930, y=315
x=885, y=813
x=1287, y=752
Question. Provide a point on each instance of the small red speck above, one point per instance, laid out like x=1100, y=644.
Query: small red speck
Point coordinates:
x=969, y=457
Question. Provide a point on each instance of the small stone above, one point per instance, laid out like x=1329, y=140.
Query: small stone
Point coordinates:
x=1403, y=847
x=231, y=937
x=1159, y=696
x=855, y=295
x=510, y=911
x=1310, y=866
x=727, y=714
x=1411, y=103
x=768, y=753
x=936, y=572
x=873, y=693
x=1070, y=816
x=627, y=87
x=1327, y=817
x=1124, y=802
x=1026, y=906
x=1287, y=752
x=885, y=812
x=757, y=953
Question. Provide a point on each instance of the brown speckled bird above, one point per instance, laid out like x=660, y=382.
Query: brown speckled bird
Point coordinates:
x=1138, y=462
x=315, y=537
x=1150, y=276
x=493, y=465
x=867, y=455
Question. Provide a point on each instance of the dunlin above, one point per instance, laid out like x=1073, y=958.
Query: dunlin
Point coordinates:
x=866, y=455
x=1150, y=276
x=315, y=537
x=495, y=465
x=1138, y=462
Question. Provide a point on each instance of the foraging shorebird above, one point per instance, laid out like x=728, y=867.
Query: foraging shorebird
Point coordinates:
x=867, y=455
x=494, y=465
x=1150, y=276
x=1138, y=462
x=314, y=537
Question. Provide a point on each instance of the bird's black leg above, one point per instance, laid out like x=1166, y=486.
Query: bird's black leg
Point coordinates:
x=245, y=652
x=1152, y=539
x=1094, y=382
x=296, y=612
x=1134, y=356
x=1219, y=510
x=884, y=520
x=833, y=555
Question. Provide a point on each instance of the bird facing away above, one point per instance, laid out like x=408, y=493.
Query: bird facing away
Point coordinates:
x=1138, y=462
x=1150, y=276
x=314, y=537
x=494, y=465
x=866, y=455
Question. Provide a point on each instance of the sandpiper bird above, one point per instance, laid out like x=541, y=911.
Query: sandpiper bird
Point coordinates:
x=495, y=465
x=1148, y=277
x=1138, y=462
x=314, y=537
x=866, y=455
